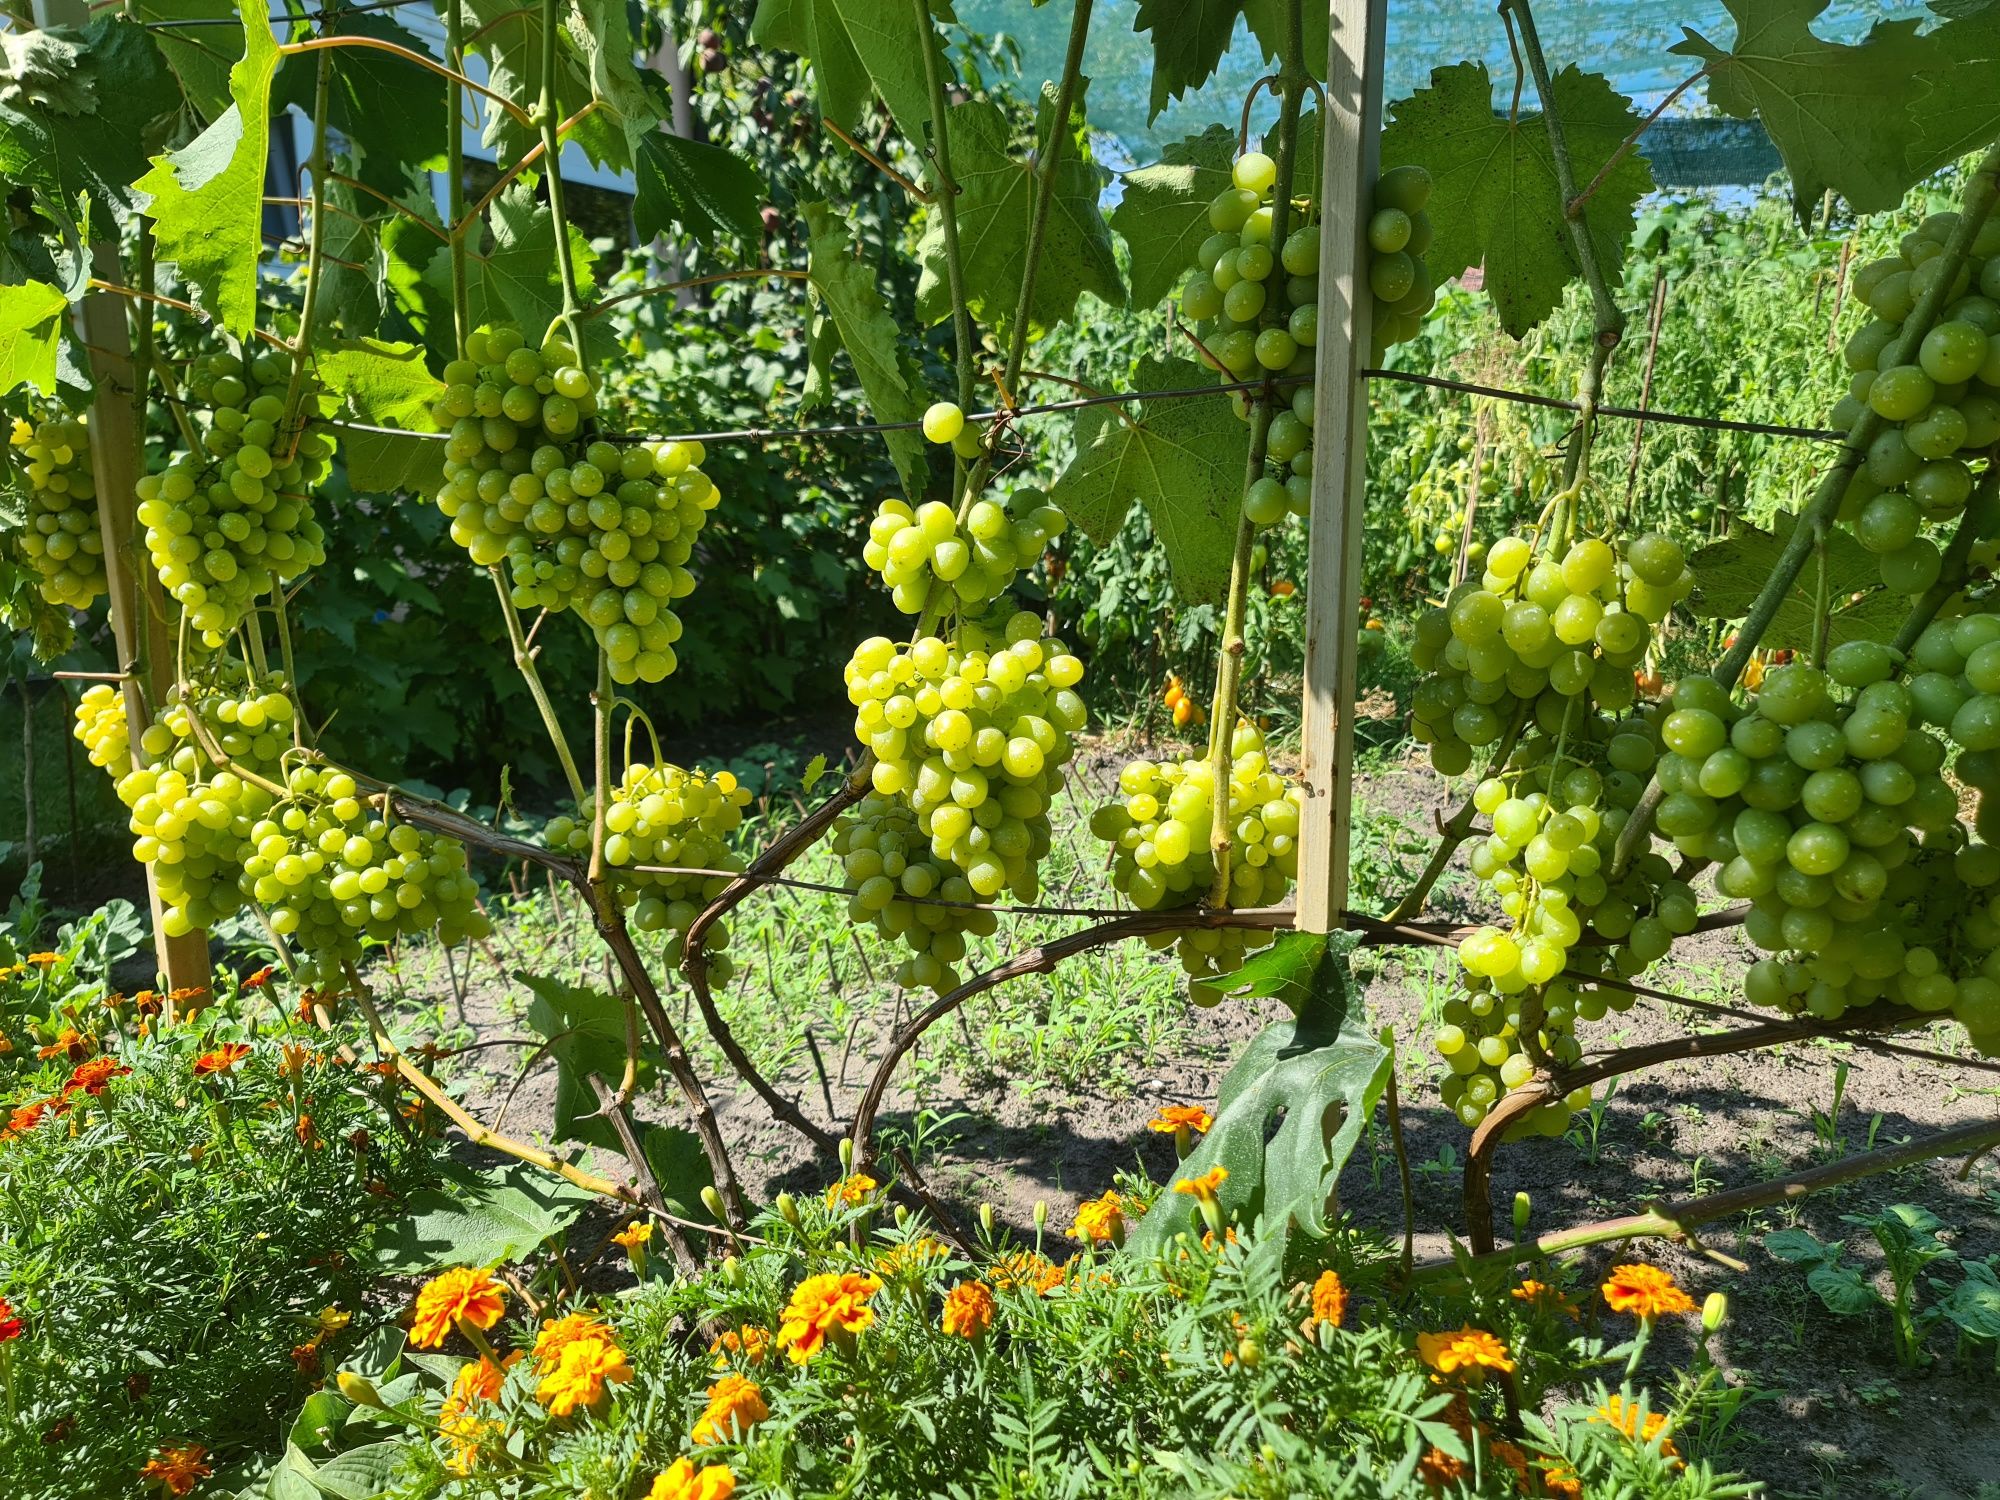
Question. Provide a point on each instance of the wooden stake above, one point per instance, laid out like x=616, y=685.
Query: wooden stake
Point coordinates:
x=1340, y=423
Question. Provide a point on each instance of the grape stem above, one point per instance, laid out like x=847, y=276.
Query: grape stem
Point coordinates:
x=527, y=159
x=321, y=44
x=1291, y=85
x=1982, y=512
x=833, y=128
x=545, y=113
x=454, y=56
x=944, y=188
x=315, y=247
x=1457, y=829
x=524, y=663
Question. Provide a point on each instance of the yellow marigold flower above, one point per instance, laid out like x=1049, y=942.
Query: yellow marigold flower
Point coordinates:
x=634, y=1236
x=1329, y=1300
x=1173, y=1117
x=833, y=1303
x=175, y=1470
x=293, y=1059
x=559, y=1333
x=1624, y=1415
x=332, y=1319
x=1203, y=1189
x=582, y=1371
x=1100, y=1220
x=750, y=1341
x=684, y=1482
x=1471, y=1349
x=1023, y=1270
x=735, y=1405
x=1543, y=1297
x=851, y=1191
x=912, y=1256
x=968, y=1310
x=49, y=961
x=458, y=1295
x=1645, y=1292
x=1562, y=1484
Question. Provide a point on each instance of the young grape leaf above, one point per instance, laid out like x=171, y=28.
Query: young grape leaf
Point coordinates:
x=208, y=197
x=1497, y=201
x=391, y=112
x=384, y=384
x=30, y=328
x=1319, y=1076
x=1732, y=572
x=706, y=190
x=386, y=463
x=518, y=280
x=1164, y=212
x=848, y=296
x=593, y=60
x=997, y=192
x=38, y=71
x=1183, y=460
x=858, y=49
x=1867, y=119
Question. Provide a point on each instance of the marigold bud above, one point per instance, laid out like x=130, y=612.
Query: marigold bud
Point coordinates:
x=1522, y=1209
x=732, y=1271
x=1041, y=1214
x=846, y=1154
x=1714, y=1311
x=788, y=1209
x=986, y=1217
x=712, y=1201
x=359, y=1389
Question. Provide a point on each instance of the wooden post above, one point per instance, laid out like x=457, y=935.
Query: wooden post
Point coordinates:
x=137, y=603
x=1340, y=429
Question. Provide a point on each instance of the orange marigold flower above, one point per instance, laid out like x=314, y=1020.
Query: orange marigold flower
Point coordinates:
x=1023, y=1270
x=1203, y=1189
x=735, y=1405
x=1624, y=1415
x=634, y=1236
x=1543, y=1297
x=1471, y=1349
x=479, y=1380
x=558, y=1334
x=851, y=1191
x=1211, y=1244
x=181, y=996
x=306, y=1356
x=258, y=980
x=1100, y=1220
x=458, y=1295
x=177, y=1470
x=1645, y=1292
x=45, y=960
x=1562, y=1484
x=750, y=1341
x=968, y=1310
x=582, y=1371
x=1329, y=1300
x=684, y=1482
x=1173, y=1117
x=70, y=1043
x=26, y=1117
x=1511, y=1455
x=834, y=1303
x=294, y=1058
x=302, y=1127
x=1438, y=1468
x=92, y=1076
x=10, y=1322
x=221, y=1059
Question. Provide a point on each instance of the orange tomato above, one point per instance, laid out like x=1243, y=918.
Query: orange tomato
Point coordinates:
x=1284, y=588
x=1183, y=711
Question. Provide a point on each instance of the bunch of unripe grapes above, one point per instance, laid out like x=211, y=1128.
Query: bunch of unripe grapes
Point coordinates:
x=1160, y=829
x=1942, y=410
x=1399, y=236
x=898, y=881
x=230, y=520
x=1540, y=632
x=661, y=814
x=61, y=540
x=972, y=734
x=330, y=871
x=916, y=550
x=605, y=529
x=1954, y=685
x=1229, y=299
x=189, y=818
x=946, y=424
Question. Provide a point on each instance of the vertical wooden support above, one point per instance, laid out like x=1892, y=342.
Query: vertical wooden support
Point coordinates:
x=137, y=604
x=1340, y=438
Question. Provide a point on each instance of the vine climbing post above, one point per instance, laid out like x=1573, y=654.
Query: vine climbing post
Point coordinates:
x=1351, y=133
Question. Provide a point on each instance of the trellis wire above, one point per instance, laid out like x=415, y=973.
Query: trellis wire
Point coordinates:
x=327, y=13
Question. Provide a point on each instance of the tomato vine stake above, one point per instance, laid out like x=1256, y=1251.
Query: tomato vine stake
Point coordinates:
x=1352, y=131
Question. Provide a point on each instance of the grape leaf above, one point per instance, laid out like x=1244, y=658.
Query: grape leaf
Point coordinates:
x=1497, y=201
x=350, y=298
x=995, y=202
x=390, y=463
x=1731, y=573
x=518, y=280
x=38, y=70
x=596, y=49
x=1189, y=40
x=386, y=384
x=208, y=198
x=1183, y=460
x=858, y=48
x=1164, y=212
x=30, y=328
x=201, y=56
x=96, y=153
x=585, y=1034
x=391, y=112
x=848, y=296
x=706, y=190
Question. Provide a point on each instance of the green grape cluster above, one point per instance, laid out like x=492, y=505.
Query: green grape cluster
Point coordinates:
x=1159, y=829
x=61, y=540
x=915, y=549
x=1238, y=273
x=663, y=815
x=229, y=520
x=330, y=871
x=601, y=528
x=189, y=818
x=1539, y=633
x=1942, y=410
x=972, y=733
x=1399, y=236
x=897, y=878
x=1954, y=684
